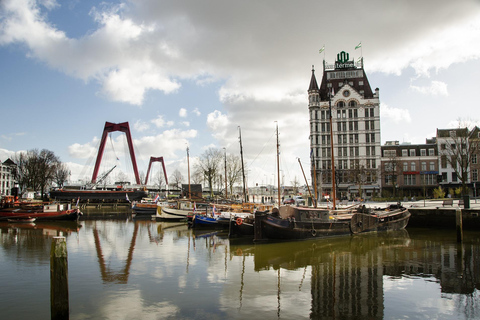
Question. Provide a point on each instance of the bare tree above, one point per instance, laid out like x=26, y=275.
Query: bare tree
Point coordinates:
x=234, y=171
x=458, y=152
x=209, y=165
x=358, y=175
x=390, y=169
x=36, y=169
x=176, y=178
x=295, y=185
x=61, y=174
x=159, y=180
x=197, y=176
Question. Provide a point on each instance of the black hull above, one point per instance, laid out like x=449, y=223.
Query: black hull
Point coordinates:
x=245, y=229
x=98, y=195
x=275, y=228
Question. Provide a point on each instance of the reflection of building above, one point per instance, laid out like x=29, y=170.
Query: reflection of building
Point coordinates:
x=355, y=127
x=354, y=291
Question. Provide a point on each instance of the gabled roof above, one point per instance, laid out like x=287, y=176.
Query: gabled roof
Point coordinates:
x=9, y=162
x=367, y=90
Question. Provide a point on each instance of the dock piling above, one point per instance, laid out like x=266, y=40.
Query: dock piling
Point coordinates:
x=459, y=223
x=59, y=307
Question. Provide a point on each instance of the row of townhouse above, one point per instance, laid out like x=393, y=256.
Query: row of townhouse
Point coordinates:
x=446, y=160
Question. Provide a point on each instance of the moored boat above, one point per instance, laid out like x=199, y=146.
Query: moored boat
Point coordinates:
x=179, y=211
x=297, y=223
x=97, y=195
x=46, y=212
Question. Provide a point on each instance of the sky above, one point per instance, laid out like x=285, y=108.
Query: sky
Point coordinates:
x=197, y=73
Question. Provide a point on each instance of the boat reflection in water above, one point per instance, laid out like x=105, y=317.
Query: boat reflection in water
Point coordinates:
x=351, y=277
x=124, y=269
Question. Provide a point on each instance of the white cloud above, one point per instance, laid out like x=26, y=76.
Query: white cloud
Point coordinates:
x=217, y=123
x=141, y=126
x=182, y=112
x=158, y=121
x=197, y=112
x=186, y=123
x=436, y=88
x=394, y=114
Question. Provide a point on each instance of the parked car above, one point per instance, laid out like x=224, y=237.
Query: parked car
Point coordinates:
x=299, y=201
x=289, y=201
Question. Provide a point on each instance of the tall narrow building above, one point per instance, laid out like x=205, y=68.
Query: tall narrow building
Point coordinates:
x=355, y=110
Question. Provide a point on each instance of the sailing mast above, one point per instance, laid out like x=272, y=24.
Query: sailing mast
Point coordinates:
x=243, y=169
x=226, y=184
x=332, y=151
x=278, y=167
x=188, y=165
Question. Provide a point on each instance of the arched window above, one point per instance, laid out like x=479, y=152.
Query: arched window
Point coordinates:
x=352, y=104
x=340, y=104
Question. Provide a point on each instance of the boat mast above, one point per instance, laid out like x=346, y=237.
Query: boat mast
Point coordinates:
x=332, y=151
x=243, y=169
x=188, y=165
x=226, y=184
x=278, y=167
x=305, y=177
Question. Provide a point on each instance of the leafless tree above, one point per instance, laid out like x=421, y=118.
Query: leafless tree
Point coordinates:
x=234, y=171
x=390, y=169
x=358, y=175
x=197, y=176
x=176, y=178
x=159, y=180
x=458, y=152
x=61, y=174
x=295, y=185
x=209, y=164
x=36, y=169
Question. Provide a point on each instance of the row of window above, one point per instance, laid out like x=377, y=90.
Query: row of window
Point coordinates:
x=342, y=138
x=342, y=126
x=408, y=153
x=411, y=180
x=342, y=114
x=346, y=164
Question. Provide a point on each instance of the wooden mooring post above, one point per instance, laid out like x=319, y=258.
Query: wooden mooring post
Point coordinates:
x=59, y=307
x=459, y=223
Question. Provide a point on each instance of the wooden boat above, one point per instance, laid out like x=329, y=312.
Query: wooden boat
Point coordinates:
x=180, y=211
x=203, y=221
x=243, y=224
x=297, y=223
x=146, y=208
x=46, y=212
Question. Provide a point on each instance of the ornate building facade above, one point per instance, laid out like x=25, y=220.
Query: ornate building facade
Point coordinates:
x=345, y=103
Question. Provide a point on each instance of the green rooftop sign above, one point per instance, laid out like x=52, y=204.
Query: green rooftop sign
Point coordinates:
x=342, y=61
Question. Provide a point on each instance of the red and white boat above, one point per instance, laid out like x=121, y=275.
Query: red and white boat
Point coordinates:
x=39, y=211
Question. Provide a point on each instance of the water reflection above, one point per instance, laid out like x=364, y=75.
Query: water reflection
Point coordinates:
x=26, y=241
x=144, y=269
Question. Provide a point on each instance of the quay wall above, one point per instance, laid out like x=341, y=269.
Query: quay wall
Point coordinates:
x=443, y=218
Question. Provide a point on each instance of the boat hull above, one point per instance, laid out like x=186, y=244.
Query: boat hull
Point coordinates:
x=202, y=221
x=63, y=215
x=268, y=227
x=98, y=195
x=172, y=214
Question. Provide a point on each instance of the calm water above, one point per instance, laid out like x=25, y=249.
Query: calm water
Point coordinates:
x=121, y=269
